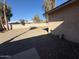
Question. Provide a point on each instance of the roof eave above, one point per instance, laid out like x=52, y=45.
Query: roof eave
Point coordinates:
x=60, y=6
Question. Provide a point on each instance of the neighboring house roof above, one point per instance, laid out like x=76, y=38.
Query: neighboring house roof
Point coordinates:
x=61, y=6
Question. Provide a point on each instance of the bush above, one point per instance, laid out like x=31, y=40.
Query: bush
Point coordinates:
x=22, y=22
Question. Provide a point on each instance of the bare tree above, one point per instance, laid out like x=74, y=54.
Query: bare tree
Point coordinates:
x=36, y=19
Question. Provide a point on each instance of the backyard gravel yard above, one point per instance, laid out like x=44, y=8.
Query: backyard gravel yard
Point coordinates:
x=47, y=47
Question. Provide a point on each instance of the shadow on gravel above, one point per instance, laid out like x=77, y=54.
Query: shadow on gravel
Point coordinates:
x=46, y=46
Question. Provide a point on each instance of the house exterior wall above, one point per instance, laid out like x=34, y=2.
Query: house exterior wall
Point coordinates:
x=70, y=25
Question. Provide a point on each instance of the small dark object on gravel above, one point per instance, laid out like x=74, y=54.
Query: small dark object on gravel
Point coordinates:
x=33, y=28
x=47, y=29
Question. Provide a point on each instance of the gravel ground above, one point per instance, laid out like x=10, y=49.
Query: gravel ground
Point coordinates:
x=46, y=46
x=7, y=35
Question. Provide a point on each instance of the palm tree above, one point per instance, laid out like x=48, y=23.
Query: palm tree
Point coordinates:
x=5, y=14
x=48, y=5
x=1, y=16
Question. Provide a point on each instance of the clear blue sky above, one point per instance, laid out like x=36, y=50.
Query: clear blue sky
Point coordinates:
x=26, y=9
